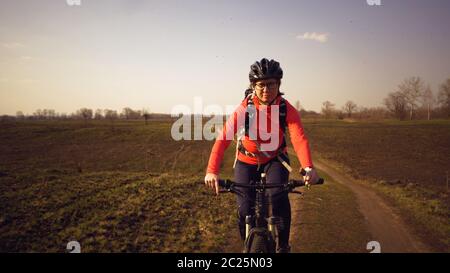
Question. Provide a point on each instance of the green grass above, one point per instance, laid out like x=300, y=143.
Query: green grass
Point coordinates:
x=428, y=216
x=331, y=221
x=130, y=188
x=114, y=212
x=411, y=153
x=405, y=161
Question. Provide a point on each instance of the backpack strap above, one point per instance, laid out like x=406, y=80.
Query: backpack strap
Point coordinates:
x=244, y=131
x=247, y=92
x=283, y=115
x=283, y=125
x=282, y=122
x=250, y=103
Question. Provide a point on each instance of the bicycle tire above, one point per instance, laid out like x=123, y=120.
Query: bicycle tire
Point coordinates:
x=260, y=241
x=259, y=245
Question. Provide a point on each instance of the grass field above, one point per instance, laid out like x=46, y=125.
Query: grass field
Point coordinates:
x=407, y=162
x=329, y=220
x=393, y=151
x=131, y=188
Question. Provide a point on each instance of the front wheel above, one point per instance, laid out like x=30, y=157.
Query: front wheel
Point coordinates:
x=260, y=240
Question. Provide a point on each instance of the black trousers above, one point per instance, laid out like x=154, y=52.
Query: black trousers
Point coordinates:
x=275, y=173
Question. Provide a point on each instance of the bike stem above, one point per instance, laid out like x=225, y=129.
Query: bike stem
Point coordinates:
x=260, y=209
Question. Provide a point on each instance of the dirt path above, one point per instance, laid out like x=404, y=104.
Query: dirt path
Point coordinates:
x=296, y=214
x=383, y=223
x=380, y=222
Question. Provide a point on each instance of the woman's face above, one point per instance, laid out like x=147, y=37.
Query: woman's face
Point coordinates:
x=267, y=90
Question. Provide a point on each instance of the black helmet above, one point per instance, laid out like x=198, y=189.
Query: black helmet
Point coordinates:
x=265, y=69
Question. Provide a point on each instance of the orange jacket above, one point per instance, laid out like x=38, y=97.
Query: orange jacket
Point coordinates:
x=237, y=120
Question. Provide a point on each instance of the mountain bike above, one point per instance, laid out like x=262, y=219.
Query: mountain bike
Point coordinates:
x=262, y=229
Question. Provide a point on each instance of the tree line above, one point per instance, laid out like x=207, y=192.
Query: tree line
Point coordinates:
x=88, y=114
x=412, y=99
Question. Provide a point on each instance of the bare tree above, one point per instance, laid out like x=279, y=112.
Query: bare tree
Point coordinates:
x=51, y=114
x=146, y=115
x=38, y=114
x=6, y=118
x=428, y=100
x=45, y=113
x=111, y=115
x=444, y=96
x=396, y=104
x=327, y=109
x=127, y=112
x=350, y=108
x=20, y=115
x=339, y=114
x=372, y=113
x=412, y=89
x=98, y=114
x=360, y=111
x=85, y=113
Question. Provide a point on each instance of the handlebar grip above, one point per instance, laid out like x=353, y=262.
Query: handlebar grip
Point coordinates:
x=222, y=183
x=320, y=182
x=298, y=183
x=225, y=183
x=302, y=172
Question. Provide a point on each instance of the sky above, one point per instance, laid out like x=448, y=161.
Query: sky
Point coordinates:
x=160, y=54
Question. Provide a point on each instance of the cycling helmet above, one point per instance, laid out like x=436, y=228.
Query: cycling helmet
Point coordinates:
x=265, y=69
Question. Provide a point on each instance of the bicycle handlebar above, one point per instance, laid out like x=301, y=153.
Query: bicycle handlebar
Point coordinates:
x=291, y=184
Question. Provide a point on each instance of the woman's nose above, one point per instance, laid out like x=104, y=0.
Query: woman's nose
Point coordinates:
x=266, y=89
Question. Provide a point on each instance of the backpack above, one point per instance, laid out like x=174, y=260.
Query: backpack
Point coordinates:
x=282, y=123
x=282, y=111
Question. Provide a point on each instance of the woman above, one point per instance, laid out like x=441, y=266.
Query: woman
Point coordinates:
x=251, y=160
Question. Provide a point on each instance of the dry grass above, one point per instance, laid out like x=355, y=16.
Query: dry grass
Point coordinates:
x=405, y=161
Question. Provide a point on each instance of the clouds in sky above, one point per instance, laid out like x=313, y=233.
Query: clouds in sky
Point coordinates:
x=12, y=45
x=26, y=58
x=314, y=36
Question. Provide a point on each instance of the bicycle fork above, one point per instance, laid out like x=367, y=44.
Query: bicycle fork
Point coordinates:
x=273, y=227
x=249, y=224
x=272, y=224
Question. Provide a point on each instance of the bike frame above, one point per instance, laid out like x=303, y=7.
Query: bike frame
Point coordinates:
x=261, y=204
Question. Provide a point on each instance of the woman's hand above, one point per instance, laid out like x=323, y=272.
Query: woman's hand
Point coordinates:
x=311, y=177
x=212, y=180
